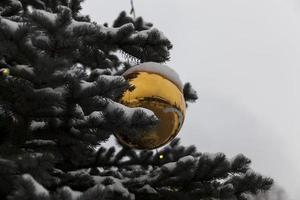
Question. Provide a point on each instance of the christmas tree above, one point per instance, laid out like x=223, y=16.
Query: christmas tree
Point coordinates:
x=60, y=84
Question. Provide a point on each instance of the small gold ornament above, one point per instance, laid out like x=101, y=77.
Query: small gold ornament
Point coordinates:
x=159, y=89
x=161, y=156
x=4, y=72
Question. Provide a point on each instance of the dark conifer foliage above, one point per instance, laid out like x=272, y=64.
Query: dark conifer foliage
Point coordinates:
x=59, y=104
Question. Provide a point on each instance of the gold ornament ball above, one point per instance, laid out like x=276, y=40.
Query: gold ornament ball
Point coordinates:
x=159, y=89
x=4, y=72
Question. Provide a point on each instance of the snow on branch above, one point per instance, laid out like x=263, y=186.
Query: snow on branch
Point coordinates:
x=9, y=25
x=29, y=188
x=105, y=85
x=130, y=117
x=13, y=7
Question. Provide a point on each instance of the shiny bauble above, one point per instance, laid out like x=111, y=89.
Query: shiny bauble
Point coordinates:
x=4, y=72
x=159, y=89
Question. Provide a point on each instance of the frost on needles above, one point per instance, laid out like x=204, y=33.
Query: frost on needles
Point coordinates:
x=59, y=105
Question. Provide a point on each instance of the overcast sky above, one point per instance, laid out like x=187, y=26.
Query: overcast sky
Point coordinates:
x=243, y=58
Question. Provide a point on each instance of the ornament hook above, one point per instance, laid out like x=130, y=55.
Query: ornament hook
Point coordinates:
x=132, y=11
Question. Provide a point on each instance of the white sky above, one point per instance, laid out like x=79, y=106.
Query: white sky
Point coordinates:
x=243, y=58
